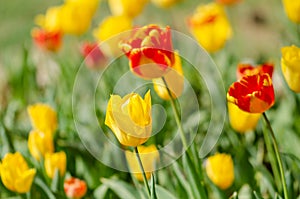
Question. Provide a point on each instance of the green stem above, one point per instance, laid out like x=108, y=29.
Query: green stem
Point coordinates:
x=7, y=135
x=143, y=171
x=279, y=161
x=176, y=115
x=272, y=157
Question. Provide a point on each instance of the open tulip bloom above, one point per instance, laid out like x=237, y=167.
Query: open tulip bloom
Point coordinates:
x=150, y=51
x=253, y=94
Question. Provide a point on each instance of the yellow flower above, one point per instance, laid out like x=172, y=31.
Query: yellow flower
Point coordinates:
x=290, y=65
x=51, y=21
x=164, y=3
x=174, y=79
x=210, y=26
x=40, y=143
x=240, y=120
x=220, y=170
x=130, y=118
x=149, y=155
x=43, y=118
x=15, y=174
x=55, y=161
x=292, y=9
x=129, y=8
x=109, y=28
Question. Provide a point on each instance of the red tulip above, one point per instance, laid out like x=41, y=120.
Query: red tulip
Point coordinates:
x=247, y=69
x=253, y=94
x=150, y=51
x=94, y=57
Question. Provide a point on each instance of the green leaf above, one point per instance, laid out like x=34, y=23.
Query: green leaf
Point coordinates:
x=181, y=179
x=121, y=188
x=234, y=196
x=153, y=191
x=44, y=187
x=100, y=192
x=256, y=195
x=55, y=181
x=162, y=193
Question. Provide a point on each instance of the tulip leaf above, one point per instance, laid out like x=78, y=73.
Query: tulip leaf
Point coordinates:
x=162, y=193
x=44, y=187
x=257, y=196
x=55, y=181
x=121, y=188
x=101, y=191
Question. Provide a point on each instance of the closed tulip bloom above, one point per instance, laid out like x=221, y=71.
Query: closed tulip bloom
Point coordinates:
x=292, y=9
x=39, y=144
x=47, y=40
x=220, y=170
x=43, y=118
x=129, y=8
x=164, y=3
x=210, y=26
x=174, y=79
x=55, y=161
x=130, y=118
x=51, y=21
x=150, y=51
x=75, y=188
x=247, y=69
x=15, y=174
x=149, y=156
x=253, y=94
x=290, y=66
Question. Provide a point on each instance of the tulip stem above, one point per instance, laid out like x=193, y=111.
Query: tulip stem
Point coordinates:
x=176, y=114
x=143, y=170
x=279, y=160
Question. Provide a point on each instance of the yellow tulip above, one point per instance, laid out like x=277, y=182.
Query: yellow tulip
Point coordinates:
x=43, y=118
x=210, y=26
x=292, y=9
x=130, y=118
x=51, y=21
x=149, y=155
x=55, y=161
x=129, y=8
x=109, y=28
x=220, y=170
x=174, y=79
x=240, y=120
x=164, y=3
x=40, y=143
x=290, y=65
x=15, y=174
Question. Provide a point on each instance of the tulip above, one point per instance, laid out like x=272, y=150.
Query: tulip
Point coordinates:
x=39, y=144
x=227, y=2
x=43, y=118
x=220, y=170
x=130, y=118
x=150, y=51
x=48, y=40
x=54, y=161
x=75, y=188
x=51, y=21
x=174, y=79
x=129, y=8
x=253, y=94
x=247, y=69
x=109, y=29
x=290, y=66
x=210, y=26
x=292, y=9
x=15, y=174
x=94, y=57
x=149, y=155
x=164, y=3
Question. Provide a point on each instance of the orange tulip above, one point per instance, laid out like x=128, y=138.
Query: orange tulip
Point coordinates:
x=75, y=188
x=253, y=94
x=150, y=51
